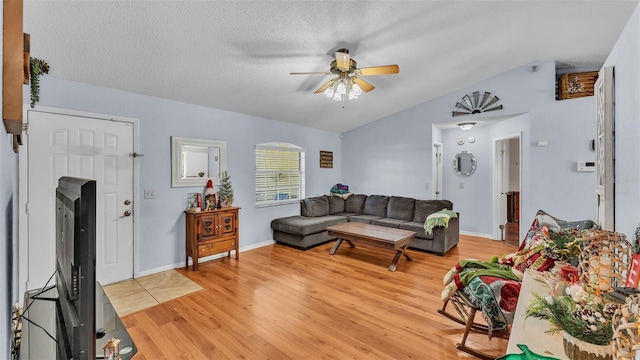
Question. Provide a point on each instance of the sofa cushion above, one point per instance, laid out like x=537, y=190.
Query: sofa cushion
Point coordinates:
x=347, y=215
x=355, y=203
x=366, y=219
x=401, y=208
x=388, y=222
x=418, y=228
x=302, y=225
x=376, y=205
x=425, y=208
x=315, y=206
x=336, y=204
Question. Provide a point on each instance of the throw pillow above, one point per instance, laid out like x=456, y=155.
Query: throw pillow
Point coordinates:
x=543, y=222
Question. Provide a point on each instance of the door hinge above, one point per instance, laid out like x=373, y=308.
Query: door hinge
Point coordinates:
x=135, y=155
x=26, y=208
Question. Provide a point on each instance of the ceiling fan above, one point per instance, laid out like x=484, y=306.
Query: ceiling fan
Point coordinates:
x=348, y=83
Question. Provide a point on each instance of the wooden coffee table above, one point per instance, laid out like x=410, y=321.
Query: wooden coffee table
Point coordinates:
x=380, y=236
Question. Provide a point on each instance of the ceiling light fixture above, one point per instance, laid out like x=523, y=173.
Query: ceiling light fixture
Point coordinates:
x=466, y=125
x=343, y=87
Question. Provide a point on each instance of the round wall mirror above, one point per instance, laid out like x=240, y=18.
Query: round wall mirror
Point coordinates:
x=464, y=164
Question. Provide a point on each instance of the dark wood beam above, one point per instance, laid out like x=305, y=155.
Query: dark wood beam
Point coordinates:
x=12, y=65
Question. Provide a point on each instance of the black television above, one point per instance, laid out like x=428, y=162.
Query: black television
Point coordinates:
x=76, y=268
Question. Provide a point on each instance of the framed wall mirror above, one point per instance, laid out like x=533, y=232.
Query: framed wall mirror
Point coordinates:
x=464, y=164
x=194, y=161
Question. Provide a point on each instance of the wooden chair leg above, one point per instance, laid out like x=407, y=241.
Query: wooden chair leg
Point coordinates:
x=462, y=345
x=466, y=314
x=463, y=310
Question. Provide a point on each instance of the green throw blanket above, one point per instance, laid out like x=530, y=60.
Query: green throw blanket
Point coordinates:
x=440, y=218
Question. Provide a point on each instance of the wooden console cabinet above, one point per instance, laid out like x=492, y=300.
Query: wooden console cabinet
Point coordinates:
x=211, y=232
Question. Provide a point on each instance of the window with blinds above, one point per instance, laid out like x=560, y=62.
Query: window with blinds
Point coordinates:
x=279, y=173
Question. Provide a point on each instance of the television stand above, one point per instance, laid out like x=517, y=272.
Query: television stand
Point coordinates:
x=41, y=311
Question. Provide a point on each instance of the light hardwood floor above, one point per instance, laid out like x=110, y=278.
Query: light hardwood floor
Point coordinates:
x=277, y=302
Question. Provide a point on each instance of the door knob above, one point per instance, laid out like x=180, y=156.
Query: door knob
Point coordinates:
x=127, y=202
x=127, y=213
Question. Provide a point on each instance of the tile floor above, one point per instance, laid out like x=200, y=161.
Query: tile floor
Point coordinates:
x=134, y=295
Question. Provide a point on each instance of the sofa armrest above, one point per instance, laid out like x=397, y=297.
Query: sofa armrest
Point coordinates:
x=445, y=238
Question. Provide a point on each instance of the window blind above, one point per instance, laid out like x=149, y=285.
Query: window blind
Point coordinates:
x=279, y=173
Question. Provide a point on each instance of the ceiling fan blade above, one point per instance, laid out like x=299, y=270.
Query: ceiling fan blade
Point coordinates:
x=311, y=73
x=325, y=86
x=379, y=70
x=342, y=60
x=365, y=86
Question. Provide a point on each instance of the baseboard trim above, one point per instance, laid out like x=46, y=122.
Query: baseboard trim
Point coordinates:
x=488, y=236
x=201, y=260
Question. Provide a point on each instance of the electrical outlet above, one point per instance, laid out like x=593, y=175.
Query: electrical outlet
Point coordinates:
x=461, y=186
x=149, y=194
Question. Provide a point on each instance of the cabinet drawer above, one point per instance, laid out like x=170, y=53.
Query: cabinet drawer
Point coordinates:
x=216, y=247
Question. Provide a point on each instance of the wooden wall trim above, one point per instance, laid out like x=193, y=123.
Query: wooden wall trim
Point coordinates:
x=12, y=65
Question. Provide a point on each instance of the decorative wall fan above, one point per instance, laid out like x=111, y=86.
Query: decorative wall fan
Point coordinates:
x=348, y=83
x=477, y=103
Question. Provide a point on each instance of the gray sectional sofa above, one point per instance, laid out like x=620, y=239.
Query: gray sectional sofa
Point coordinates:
x=317, y=213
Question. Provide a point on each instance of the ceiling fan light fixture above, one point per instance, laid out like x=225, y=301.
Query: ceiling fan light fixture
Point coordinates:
x=466, y=126
x=355, y=91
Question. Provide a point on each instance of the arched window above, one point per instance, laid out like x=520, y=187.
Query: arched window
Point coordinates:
x=279, y=173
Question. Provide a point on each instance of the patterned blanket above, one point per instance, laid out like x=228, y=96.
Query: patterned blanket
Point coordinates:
x=497, y=297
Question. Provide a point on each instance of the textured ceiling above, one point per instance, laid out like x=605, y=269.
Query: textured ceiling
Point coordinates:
x=237, y=55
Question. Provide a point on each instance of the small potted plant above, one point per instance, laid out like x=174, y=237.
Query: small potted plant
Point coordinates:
x=38, y=67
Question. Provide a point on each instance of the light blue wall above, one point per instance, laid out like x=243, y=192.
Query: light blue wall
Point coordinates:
x=161, y=220
x=625, y=57
x=399, y=147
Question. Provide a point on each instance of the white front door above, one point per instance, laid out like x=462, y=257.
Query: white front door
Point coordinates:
x=81, y=146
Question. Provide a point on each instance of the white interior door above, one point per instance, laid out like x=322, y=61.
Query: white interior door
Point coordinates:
x=71, y=145
x=505, y=177
x=500, y=190
x=605, y=159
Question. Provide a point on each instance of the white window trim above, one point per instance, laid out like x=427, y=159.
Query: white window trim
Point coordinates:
x=302, y=171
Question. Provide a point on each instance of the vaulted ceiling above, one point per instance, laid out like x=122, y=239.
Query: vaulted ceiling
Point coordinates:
x=237, y=55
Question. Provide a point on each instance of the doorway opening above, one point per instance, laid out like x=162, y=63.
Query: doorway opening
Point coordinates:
x=437, y=170
x=506, y=184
